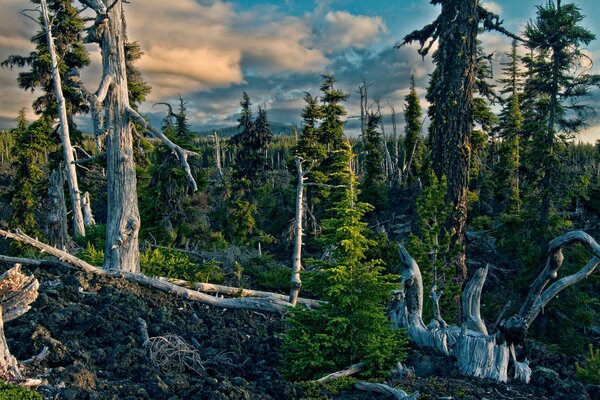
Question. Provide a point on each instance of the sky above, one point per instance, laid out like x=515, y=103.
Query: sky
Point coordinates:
x=210, y=51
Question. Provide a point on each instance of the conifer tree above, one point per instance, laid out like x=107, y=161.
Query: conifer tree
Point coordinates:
x=556, y=38
x=511, y=125
x=352, y=326
x=451, y=94
x=374, y=182
x=252, y=143
x=32, y=146
x=68, y=30
x=413, y=144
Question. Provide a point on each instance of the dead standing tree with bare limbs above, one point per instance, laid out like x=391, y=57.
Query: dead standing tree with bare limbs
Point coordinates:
x=113, y=116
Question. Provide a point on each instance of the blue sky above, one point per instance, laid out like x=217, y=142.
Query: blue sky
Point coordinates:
x=210, y=51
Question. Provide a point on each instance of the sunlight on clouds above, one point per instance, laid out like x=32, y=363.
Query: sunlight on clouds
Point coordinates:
x=345, y=30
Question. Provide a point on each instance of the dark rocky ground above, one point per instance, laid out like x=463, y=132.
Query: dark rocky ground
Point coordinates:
x=90, y=325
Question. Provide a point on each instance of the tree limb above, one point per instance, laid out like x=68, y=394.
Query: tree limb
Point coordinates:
x=182, y=154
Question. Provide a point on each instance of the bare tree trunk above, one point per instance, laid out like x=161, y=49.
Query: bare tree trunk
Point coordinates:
x=296, y=282
x=218, y=156
x=78, y=225
x=17, y=292
x=57, y=216
x=86, y=205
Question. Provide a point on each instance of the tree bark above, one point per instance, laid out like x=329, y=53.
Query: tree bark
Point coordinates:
x=380, y=388
x=86, y=205
x=123, y=219
x=295, y=281
x=57, y=215
x=74, y=194
x=17, y=292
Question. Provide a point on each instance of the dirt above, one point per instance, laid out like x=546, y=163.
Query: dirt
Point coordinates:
x=97, y=351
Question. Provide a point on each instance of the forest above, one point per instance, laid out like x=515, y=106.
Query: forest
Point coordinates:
x=446, y=250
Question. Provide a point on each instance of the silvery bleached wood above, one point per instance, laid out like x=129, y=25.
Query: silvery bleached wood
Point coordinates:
x=71, y=172
x=477, y=352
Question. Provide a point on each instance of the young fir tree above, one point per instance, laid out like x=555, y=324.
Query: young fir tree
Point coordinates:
x=352, y=325
x=510, y=131
x=68, y=30
x=32, y=147
x=374, y=187
x=252, y=143
x=166, y=199
x=556, y=38
x=331, y=137
x=413, y=144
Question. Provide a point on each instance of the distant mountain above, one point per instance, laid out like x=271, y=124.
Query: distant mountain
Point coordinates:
x=277, y=128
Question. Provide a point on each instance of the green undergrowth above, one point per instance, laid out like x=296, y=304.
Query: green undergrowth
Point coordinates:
x=9, y=391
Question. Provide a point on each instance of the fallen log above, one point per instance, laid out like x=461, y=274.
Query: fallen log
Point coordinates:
x=239, y=292
x=271, y=305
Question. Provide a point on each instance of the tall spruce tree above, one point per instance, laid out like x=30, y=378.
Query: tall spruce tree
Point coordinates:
x=413, y=144
x=511, y=126
x=559, y=80
x=451, y=95
x=374, y=186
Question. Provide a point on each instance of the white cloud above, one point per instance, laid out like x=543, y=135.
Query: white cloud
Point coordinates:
x=344, y=30
x=493, y=7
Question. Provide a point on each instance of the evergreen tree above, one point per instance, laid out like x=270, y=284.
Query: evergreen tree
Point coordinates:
x=556, y=38
x=451, y=95
x=252, y=143
x=352, y=326
x=309, y=147
x=511, y=125
x=413, y=144
x=374, y=182
x=68, y=31
x=32, y=147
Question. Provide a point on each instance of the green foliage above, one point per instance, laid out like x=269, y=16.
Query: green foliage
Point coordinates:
x=171, y=263
x=591, y=372
x=92, y=255
x=432, y=248
x=8, y=391
x=314, y=390
x=352, y=326
x=32, y=145
x=374, y=185
x=413, y=143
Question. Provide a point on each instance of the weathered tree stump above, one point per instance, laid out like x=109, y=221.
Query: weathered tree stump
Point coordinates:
x=17, y=292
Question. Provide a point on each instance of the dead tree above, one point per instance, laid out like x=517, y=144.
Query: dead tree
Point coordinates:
x=112, y=115
x=74, y=194
x=295, y=281
x=17, y=292
x=478, y=352
x=57, y=216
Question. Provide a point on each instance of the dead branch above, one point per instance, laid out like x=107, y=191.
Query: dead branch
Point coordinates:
x=171, y=353
x=255, y=304
x=239, y=292
x=17, y=292
x=353, y=369
x=182, y=154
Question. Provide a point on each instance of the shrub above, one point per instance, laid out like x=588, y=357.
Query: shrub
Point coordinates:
x=171, y=263
x=9, y=391
x=591, y=372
